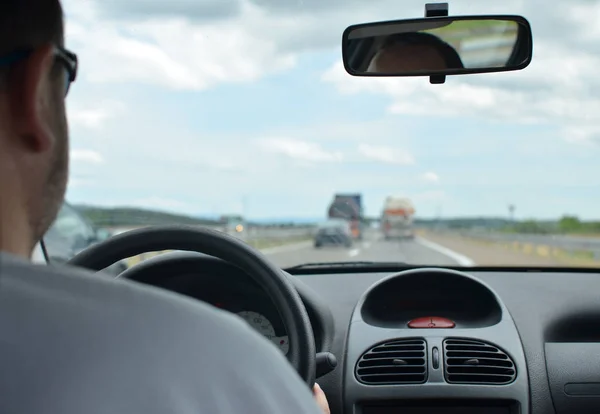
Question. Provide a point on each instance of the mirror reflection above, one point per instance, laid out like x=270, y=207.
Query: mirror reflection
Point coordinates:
x=435, y=46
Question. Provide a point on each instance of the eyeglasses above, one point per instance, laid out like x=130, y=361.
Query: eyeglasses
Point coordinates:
x=66, y=58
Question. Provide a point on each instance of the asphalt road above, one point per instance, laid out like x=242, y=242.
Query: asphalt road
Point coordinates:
x=373, y=248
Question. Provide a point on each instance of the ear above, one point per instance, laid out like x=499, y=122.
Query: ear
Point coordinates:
x=30, y=102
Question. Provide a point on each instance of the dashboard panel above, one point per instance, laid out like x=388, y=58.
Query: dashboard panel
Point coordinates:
x=462, y=347
x=227, y=287
x=547, y=308
x=541, y=327
x=235, y=293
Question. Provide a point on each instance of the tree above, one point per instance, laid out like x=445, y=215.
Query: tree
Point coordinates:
x=568, y=224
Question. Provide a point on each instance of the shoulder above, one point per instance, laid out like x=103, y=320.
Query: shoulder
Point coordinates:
x=123, y=301
x=175, y=349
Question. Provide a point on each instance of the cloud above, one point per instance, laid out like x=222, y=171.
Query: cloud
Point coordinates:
x=89, y=118
x=194, y=45
x=203, y=10
x=386, y=155
x=94, y=115
x=584, y=134
x=300, y=150
x=536, y=95
x=86, y=156
x=431, y=177
x=172, y=51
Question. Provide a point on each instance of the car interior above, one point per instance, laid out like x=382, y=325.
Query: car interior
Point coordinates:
x=393, y=338
x=418, y=339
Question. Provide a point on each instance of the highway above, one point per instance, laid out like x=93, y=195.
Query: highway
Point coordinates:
x=372, y=248
x=435, y=248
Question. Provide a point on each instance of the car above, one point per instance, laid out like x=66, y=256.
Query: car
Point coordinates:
x=335, y=232
x=69, y=234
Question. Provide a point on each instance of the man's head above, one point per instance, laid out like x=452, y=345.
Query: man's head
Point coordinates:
x=418, y=51
x=34, y=75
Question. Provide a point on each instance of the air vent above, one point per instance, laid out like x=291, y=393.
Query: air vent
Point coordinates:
x=476, y=362
x=394, y=362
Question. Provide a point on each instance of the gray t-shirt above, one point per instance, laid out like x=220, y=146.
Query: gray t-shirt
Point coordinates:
x=72, y=342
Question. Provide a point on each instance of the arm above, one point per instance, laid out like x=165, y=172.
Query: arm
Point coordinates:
x=110, y=346
x=216, y=364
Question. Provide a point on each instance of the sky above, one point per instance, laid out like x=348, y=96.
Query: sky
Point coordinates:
x=208, y=107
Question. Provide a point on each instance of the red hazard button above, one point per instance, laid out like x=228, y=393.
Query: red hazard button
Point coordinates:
x=431, y=322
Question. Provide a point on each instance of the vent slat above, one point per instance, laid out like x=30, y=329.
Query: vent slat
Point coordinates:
x=482, y=361
x=401, y=348
x=481, y=370
x=470, y=348
x=390, y=370
x=390, y=361
x=477, y=362
x=404, y=342
x=478, y=354
x=384, y=367
x=408, y=354
x=392, y=379
x=394, y=362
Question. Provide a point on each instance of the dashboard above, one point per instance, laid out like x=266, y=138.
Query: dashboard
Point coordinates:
x=431, y=340
x=229, y=288
x=233, y=292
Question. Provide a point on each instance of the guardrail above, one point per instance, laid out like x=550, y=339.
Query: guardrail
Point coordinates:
x=570, y=244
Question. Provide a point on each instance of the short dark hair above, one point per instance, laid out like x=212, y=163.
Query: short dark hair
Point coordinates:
x=26, y=24
x=449, y=54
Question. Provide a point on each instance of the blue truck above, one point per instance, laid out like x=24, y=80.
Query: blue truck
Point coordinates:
x=350, y=208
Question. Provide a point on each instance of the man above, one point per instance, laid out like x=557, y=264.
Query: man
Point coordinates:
x=71, y=342
x=414, y=51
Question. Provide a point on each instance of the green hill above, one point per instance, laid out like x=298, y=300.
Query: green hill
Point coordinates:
x=130, y=216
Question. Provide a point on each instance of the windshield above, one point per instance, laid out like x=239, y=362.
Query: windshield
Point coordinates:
x=238, y=115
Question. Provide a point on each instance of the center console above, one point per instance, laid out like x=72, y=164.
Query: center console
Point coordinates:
x=428, y=341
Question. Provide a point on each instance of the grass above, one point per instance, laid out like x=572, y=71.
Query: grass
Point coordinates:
x=570, y=258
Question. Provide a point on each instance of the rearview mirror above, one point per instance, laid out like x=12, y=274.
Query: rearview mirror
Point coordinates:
x=438, y=46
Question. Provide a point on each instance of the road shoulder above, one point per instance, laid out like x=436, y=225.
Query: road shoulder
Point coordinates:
x=487, y=253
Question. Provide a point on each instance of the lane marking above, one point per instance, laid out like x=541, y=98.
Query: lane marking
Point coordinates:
x=286, y=248
x=459, y=258
x=353, y=252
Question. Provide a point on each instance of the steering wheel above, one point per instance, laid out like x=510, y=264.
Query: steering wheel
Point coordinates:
x=301, y=353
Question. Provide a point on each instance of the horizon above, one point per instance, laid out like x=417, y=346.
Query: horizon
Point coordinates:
x=312, y=219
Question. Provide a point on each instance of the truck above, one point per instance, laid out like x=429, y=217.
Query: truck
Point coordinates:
x=348, y=207
x=397, y=218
